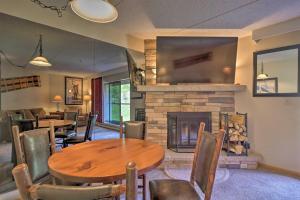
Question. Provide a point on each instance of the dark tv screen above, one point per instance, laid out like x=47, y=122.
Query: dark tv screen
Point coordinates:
x=196, y=59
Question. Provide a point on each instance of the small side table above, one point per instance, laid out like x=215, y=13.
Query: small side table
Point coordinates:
x=60, y=114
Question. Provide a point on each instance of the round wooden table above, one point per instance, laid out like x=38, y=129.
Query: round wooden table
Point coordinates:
x=57, y=123
x=104, y=160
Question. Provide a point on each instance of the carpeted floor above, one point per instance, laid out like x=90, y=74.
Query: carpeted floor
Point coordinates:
x=232, y=184
x=237, y=184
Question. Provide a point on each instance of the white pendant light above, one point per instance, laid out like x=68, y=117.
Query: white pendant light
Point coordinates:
x=262, y=75
x=100, y=11
x=40, y=60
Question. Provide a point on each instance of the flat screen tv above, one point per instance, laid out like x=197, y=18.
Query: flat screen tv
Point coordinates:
x=196, y=59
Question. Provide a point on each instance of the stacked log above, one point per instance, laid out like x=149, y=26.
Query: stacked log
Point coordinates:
x=237, y=134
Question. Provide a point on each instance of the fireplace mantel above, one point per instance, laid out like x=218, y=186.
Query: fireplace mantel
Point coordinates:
x=192, y=88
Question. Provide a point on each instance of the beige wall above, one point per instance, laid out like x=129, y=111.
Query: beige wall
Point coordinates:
x=51, y=84
x=273, y=121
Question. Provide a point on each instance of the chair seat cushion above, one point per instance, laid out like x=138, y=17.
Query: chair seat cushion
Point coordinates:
x=64, y=134
x=169, y=189
x=75, y=139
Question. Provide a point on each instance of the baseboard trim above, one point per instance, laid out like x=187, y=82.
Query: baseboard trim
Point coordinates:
x=109, y=126
x=279, y=170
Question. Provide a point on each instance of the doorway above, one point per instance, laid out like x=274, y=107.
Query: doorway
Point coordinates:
x=117, y=101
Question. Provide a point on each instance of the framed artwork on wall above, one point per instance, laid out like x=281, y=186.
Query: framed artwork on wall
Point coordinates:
x=73, y=91
x=267, y=86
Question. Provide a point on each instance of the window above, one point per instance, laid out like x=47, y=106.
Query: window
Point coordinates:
x=116, y=101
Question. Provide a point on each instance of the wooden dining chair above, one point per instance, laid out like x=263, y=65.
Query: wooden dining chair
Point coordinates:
x=135, y=130
x=74, y=117
x=132, y=129
x=205, y=163
x=70, y=131
x=23, y=126
x=34, y=148
x=30, y=191
x=88, y=132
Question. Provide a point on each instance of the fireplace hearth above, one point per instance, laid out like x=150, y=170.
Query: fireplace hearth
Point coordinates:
x=183, y=129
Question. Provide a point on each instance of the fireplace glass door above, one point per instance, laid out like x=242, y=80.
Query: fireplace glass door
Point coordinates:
x=183, y=129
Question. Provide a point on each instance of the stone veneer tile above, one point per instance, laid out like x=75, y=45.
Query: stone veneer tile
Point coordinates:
x=158, y=104
x=220, y=99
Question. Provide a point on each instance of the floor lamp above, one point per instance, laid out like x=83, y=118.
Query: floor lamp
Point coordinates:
x=86, y=98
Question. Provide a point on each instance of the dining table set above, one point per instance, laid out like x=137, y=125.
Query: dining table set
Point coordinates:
x=106, y=162
x=101, y=160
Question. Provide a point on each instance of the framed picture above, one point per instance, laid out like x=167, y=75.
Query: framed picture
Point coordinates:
x=267, y=86
x=73, y=91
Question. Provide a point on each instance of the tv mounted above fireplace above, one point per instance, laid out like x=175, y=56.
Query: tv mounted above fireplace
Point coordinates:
x=196, y=59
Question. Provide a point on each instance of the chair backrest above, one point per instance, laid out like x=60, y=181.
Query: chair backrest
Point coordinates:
x=34, y=148
x=72, y=116
x=206, y=158
x=132, y=129
x=90, y=127
x=29, y=191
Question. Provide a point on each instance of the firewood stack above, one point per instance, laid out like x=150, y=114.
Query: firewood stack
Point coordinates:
x=236, y=139
x=237, y=133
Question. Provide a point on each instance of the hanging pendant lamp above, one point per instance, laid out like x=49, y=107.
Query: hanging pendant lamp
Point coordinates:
x=262, y=75
x=40, y=60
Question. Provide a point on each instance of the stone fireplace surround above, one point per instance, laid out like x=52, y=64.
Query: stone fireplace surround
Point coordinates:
x=163, y=99
x=214, y=98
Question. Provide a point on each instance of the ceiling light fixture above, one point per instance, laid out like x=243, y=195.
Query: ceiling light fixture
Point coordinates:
x=40, y=60
x=262, y=75
x=100, y=11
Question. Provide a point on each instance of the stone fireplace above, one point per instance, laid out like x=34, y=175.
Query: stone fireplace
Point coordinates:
x=195, y=98
x=183, y=129
x=163, y=100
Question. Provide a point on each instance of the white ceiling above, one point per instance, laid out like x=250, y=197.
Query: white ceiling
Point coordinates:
x=147, y=19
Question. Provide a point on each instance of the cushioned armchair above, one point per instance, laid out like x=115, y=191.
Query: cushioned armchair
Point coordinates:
x=205, y=162
x=20, y=114
x=29, y=191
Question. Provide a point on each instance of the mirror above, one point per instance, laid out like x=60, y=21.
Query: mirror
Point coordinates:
x=276, y=72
